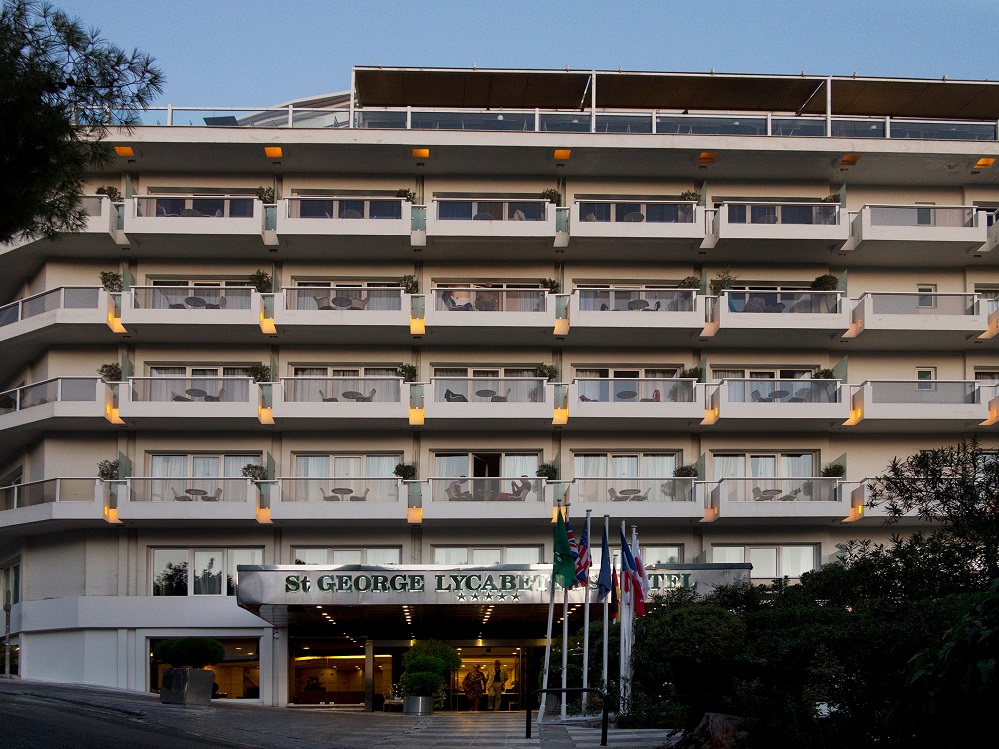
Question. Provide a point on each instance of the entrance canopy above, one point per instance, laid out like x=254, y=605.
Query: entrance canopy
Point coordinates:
x=404, y=602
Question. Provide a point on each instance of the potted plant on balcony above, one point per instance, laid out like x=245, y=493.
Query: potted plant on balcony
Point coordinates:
x=111, y=281
x=405, y=471
x=553, y=286
x=406, y=194
x=407, y=372
x=110, y=372
x=825, y=282
x=261, y=281
x=107, y=470
x=547, y=471
x=723, y=280
x=685, y=212
x=546, y=371
x=259, y=373
x=409, y=284
x=834, y=470
x=187, y=682
x=823, y=374
x=113, y=193
x=255, y=472
x=552, y=195
x=684, y=388
x=265, y=195
x=424, y=668
x=689, y=282
x=691, y=196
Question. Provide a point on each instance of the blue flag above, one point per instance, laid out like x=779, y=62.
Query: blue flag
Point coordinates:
x=604, y=583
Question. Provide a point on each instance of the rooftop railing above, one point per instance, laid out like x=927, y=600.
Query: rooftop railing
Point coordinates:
x=539, y=120
x=66, y=297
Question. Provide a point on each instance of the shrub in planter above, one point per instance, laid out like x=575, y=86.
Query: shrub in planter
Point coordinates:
x=111, y=191
x=409, y=284
x=546, y=371
x=824, y=374
x=834, y=470
x=259, y=373
x=406, y=194
x=424, y=668
x=405, y=471
x=826, y=282
x=689, y=472
x=112, y=281
x=255, y=472
x=407, y=372
x=185, y=683
x=110, y=372
x=690, y=282
x=107, y=470
x=552, y=285
x=261, y=281
x=723, y=280
x=265, y=195
x=548, y=471
x=552, y=195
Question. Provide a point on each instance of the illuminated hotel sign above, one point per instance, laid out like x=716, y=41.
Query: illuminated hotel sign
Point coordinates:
x=353, y=585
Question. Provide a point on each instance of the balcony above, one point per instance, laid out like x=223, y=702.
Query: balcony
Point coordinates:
x=915, y=235
x=657, y=497
x=919, y=405
x=634, y=404
x=633, y=227
x=361, y=227
x=100, y=233
x=343, y=315
x=783, y=231
x=60, y=503
x=779, y=500
x=481, y=218
x=189, y=402
x=210, y=314
x=68, y=314
x=601, y=317
x=801, y=318
x=499, y=317
x=488, y=403
x=354, y=402
x=196, y=499
x=220, y=224
x=336, y=499
x=802, y=404
x=486, y=499
x=907, y=321
x=61, y=404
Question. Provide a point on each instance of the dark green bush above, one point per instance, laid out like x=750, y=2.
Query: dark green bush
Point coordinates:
x=189, y=652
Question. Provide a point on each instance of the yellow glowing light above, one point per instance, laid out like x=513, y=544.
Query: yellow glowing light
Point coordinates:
x=707, y=157
x=264, y=515
x=273, y=152
x=984, y=163
x=417, y=326
x=562, y=154
x=414, y=515
x=421, y=153
x=124, y=151
x=562, y=327
x=560, y=416
x=849, y=159
x=416, y=417
x=111, y=515
x=265, y=415
x=267, y=325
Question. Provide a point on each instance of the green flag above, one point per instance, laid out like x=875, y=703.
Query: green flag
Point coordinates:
x=563, y=569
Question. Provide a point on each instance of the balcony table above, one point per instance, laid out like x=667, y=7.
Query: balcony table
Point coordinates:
x=196, y=492
x=351, y=394
x=779, y=394
x=485, y=393
x=341, y=301
x=638, y=304
x=342, y=491
x=195, y=301
x=627, y=395
x=630, y=492
x=196, y=392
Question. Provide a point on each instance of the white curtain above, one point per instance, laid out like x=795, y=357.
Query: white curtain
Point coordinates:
x=658, y=466
x=346, y=556
x=232, y=465
x=311, y=556
x=762, y=466
x=450, y=555
x=523, y=555
x=387, y=555
x=589, y=466
x=797, y=466
x=312, y=466
x=515, y=465
x=729, y=466
x=380, y=466
x=764, y=561
x=486, y=556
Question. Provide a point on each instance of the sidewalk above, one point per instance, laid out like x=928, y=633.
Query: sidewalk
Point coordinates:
x=257, y=727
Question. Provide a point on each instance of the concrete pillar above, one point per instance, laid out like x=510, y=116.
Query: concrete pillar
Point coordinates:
x=369, y=676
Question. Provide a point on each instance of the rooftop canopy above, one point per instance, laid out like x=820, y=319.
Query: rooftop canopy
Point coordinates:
x=573, y=89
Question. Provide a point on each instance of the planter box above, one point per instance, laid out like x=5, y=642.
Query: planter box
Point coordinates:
x=187, y=686
x=418, y=706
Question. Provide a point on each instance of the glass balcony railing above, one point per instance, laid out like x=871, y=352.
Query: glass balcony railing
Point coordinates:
x=784, y=302
x=342, y=389
x=489, y=389
x=621, y=489
x=68, y=297
x=340, y=297
x=649, y=390
x=48, y=491
x=492, y=210
x=489, y=300
x=71, y=389
x=344, y=208
x=781, y=391
x=923, y=215
x=648, y=300
x=498, y=489
x=653, y=212
x=471, y=120
x=191, y=297
x=676, y=124
x=189, y=489
x=340, y=489
x=809, y=489
x=923, y=304
x=190, y=389
x=782, y=213
x=923, y=391
x=208, y=206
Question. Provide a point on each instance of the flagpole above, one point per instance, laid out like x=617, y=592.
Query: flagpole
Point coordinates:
x=565, y=649
x=627, y=604
x=586, y=624
x=603, y=676
x=548, y=639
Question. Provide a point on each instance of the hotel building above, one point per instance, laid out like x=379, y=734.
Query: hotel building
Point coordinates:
x=707, y=305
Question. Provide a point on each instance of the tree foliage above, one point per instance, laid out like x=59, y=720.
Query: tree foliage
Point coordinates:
x=189, y=652
x=61, y=89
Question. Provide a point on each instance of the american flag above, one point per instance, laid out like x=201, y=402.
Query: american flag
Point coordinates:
x=583, y=561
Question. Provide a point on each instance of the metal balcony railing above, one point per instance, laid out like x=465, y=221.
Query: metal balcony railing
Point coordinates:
x=47, y=491
x=807, y=489
x=194, y=206
x=190, y=389
x=648, y=300
x=339, y=298
x=76, y=389
x=64, y=297
x=344, y=208
x=781, y=391
x=492, y=210
x=784, y=302
x=341, y=389
x=489, y=300
x=637, y=211
x=189, y=489
x=630, y=489
x=492, y=489
x=294, y=489
x=191, y=297
x=798, y=214
x=489, y=389
x=628, y=390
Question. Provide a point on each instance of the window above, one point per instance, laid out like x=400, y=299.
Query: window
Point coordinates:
x=237, y=676
x=487, y=555
x=359, y=477
x=925, y=377
x=926, y=298
x=769, y=562
x=763, y=465
x=346, y=466
x=662, y=555
x=201, y=465
x=10, y=579
x=376, y=556
x=186, y=383
x=199, y=572
x=486, y=464
x=624, y=465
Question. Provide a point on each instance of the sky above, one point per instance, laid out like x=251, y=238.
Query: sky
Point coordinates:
x=256, y=53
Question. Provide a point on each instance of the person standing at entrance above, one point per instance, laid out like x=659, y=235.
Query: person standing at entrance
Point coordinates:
x=495, y=685
x=474, y=685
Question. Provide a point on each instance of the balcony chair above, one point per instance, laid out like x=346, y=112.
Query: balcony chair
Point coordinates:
x=177, y=305
x=213, y=497
x=360, y=497
x=330, y=497
x=331, y=399
x=501, y=398
x=518, y=215
x=181, y=497
x=615, y=497
x=454, y=397
x=361, y=303
x=654, y=308
x=181, y=398
x=323, y=302
x=635, y=217
x=367, y=398
x=656, y=397
x=641, y=497
x=215, y=398
x=350, y=213
x=218, y=305
x=758, y=398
